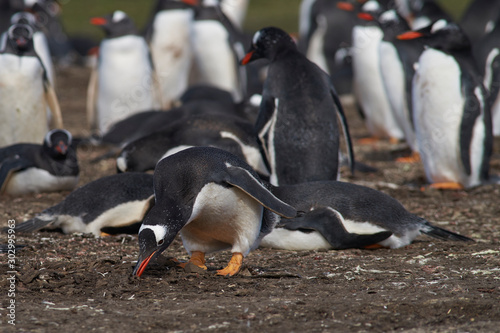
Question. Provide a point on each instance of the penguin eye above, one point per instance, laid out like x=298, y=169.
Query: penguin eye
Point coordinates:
x=160, y=242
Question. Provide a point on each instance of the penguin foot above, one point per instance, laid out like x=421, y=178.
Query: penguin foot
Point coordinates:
x=368, y=140
x=374, y=247
x=413, y=158
x=234, y=265
x=197, y=258
x=104, y=234
x=447, y=186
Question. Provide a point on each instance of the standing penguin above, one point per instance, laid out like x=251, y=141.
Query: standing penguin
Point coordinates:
x=169, y=37
x=124, y=81
x=479, y=17
x=32, y=168
x=368, y=83
x=339, y=215
x=297, y=122
x=235, y=10
x=107, y=204
x=450, y=110
x=217, y=46
x=325, y=36
x=25, y=90
x=215, y=200
x=397, y=60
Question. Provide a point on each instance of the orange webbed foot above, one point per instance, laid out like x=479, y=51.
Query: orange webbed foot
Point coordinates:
x=446, y=186
x=413, y=158
x=371, y=140
x=234, y=265
x=197, y=258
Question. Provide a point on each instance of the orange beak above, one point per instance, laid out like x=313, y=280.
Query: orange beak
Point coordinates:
x=410, y=35
x=247, y=58
x=98, y=21
x=343, y=5
x=143, y=264
x=366, y=16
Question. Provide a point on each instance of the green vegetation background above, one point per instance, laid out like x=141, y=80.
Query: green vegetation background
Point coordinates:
x=261, y=13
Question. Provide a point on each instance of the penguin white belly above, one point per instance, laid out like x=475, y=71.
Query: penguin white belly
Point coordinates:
x=171, y=51
x=23, y=107
x=235, y=10
x=438, y=109
x=42, y=49
x=34, y=180
x=393, y=78
x=315, y=50
x=214, y=57
x=125, y=82
x=222, y=218
x=285, y=239
x=495, y=115
x=368, y=84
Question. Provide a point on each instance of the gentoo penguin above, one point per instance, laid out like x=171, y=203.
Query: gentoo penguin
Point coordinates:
x=487, y=55
x=421, y=13
x=478, y=18
x=213, y=129
x=39, y=42
x=25, y=90
x=368, y=86
x=235, y=10
x=297, y=121
x=450, y=110
x=31, y=168
x=325, y=36
x=105, y=204
x=124, y=81
x=169, y=38
x=218, y=46
x=397, y=60
x=342, y=215
x=215, y=201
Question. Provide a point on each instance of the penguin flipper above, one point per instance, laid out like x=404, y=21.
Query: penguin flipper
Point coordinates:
x=328, y=222
x=345, y=127
x=246, y=182
x=53, y=103
x=443, y=234
x=8, y=167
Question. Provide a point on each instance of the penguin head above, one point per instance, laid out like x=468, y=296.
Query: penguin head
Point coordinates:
x=20, y=38
x=117, y=24
x=57, y=142
x=24, y=18
x=268, y=43
x=155, y=236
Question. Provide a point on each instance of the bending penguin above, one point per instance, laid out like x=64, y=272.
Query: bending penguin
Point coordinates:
x=104, y=205
x=342, y=215
x=124, y=81
x=32, y=168
x=25, y=90
x=450, y=110
x=297, y=122
x=215, y=201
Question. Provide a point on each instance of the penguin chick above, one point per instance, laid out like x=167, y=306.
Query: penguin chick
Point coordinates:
x=215, y=200
x=342, y=215
x=31, y=168
x=114, y=201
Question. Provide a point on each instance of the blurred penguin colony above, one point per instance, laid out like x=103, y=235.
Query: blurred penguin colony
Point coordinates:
x=192, y=77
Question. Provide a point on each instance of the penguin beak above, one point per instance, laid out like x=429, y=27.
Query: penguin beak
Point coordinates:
x=366, y=16
x=98, y=21
x=248, y=57
x=191, y=2
x=344, y=5
x=61, y=148
x=142, y=264
x=409, y=35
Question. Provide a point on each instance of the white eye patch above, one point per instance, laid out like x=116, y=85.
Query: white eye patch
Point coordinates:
x=159, y=231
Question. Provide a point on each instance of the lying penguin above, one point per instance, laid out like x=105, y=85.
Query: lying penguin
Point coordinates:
x=342, y=215
x=215, y=201
x=116, y=201
x=31, y=168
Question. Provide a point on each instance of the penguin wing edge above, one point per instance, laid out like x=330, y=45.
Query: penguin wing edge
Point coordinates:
x=246, y=182
x=8, y=167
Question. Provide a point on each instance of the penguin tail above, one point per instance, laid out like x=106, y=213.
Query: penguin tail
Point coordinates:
x=444, y=234
x=35, y=223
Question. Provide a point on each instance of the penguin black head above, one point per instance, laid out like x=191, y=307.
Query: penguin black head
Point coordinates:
x=20, y=38
x=117, y=24
x=57, y=142
x=154, y=237
x=24, y=18
x=268, y=43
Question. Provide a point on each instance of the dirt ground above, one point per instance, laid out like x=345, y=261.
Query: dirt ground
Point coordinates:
x=79, y=283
